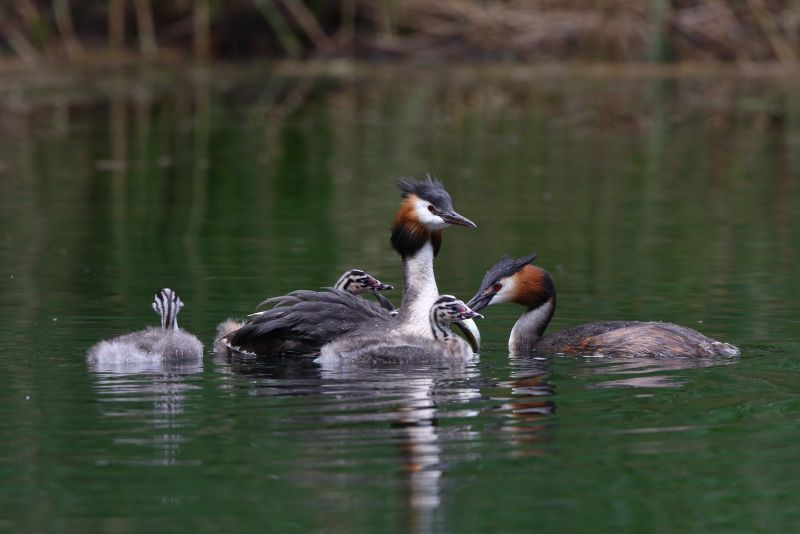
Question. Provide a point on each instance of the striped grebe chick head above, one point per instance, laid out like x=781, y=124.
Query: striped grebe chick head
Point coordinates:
x=446, y=310
x=167, y=304
x=356, y=281
x=425, y=211
x=515, y=280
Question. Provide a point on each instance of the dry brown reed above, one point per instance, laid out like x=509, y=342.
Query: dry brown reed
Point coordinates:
x=517, y=30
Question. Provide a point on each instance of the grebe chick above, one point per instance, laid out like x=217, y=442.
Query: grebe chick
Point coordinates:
x=303, y=321
x=167, y=342
x=392, y=346
x=358, y=282
x=517, y=280
x=353, y=281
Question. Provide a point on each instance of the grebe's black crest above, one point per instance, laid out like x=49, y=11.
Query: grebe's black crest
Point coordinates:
x=430, y=189
x=507, y=266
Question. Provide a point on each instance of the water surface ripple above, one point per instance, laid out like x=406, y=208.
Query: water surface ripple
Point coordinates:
x=649, y=198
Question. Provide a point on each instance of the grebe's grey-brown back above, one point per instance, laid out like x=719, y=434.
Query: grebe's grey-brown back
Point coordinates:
x=167, y=342
x=517, y=280
x=353, y=281
x=390, y=345
x=301, y=322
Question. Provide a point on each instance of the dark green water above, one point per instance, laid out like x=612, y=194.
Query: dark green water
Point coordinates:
x=671, y=199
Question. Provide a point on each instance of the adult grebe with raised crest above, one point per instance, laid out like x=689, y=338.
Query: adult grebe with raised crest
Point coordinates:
x=301, y=322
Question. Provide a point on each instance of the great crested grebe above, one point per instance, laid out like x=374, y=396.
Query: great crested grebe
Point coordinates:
x=516, y=280
x=353, y=281
x=167, y=342
x=303, y=321
x=390, y=345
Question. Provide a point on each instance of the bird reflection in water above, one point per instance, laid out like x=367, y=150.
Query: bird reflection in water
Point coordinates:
x=422, y=445
x=644, y=372
x=123, y=387
x=530, y=404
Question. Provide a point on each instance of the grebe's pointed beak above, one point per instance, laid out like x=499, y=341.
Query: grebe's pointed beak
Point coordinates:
x=480, y=300
x=380, y=286
x=465, y=313
x=451, y=217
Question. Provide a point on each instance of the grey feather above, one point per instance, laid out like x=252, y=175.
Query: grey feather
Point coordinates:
x=304, y=320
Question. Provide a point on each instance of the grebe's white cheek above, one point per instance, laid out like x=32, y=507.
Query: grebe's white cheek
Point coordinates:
x=506, y=292
x=426, y=218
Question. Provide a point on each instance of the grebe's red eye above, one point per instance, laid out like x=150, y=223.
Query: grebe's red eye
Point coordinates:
x=431, y=208
x=497, y=287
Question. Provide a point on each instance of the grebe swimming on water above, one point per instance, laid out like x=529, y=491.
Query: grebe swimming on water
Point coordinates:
x=356, y=282
x=391, y=345
x=517, y=280
x=303, y=323
x=167, y=342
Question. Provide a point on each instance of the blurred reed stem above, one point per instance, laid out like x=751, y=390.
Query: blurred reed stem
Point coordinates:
x=201, y=22
x=655, y=31
x=283, y=31
x=147, y=32
x=116, y=25
x=66, y=29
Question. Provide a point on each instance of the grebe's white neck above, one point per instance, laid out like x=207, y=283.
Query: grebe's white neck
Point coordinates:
x=529, y=328
x=420, y=292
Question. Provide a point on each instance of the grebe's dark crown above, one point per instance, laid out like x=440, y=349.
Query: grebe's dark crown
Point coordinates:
x=430, y=189
x=506, y=267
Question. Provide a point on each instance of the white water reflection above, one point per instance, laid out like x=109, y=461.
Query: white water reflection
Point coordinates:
x=643, y=372
x=416, y=395
x=151, y=397
x=529, y=406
